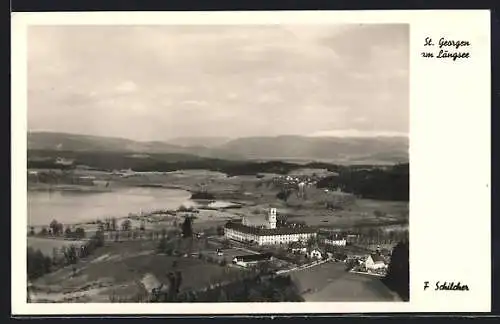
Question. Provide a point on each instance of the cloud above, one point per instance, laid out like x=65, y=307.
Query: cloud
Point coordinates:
x=194, y=102
x=269, y=98
x=223, y=80
x=232, y=95
x=360, y=75
x=125, y=87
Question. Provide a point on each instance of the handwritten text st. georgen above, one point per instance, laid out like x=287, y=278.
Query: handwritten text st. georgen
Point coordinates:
x=446, y=49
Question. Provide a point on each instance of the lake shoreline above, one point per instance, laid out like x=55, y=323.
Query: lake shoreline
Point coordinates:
x=167, y=202
x=84, y=205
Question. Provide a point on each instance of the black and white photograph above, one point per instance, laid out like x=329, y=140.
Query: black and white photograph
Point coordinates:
x=218, y=163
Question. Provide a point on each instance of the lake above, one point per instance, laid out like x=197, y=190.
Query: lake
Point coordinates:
x=75, y=206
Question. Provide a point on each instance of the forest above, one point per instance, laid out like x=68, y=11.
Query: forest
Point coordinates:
x=381, y=184
x=372, y=182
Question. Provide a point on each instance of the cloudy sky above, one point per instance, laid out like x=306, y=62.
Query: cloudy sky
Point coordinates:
x=160, y=82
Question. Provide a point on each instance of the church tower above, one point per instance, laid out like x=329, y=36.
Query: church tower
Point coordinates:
x=271, y=218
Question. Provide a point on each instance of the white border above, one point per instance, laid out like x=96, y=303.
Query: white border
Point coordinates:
x=449, y=151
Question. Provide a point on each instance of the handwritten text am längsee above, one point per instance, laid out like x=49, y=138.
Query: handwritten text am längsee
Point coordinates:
x=446, y=49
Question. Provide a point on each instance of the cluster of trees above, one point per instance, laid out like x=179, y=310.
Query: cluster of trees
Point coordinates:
x=111, y=225
x=57, y=229
x=39, y=264
x=231, y=168
x=391, y=183
x=382, y=184
x=214, y=260
x=375, y=235
x=175, y=247
x=184, y=209
x=187, y=227
x=77, y=234
x=51, y=177
x=258, y=288
x=101, y=160
x=398, y=273
x=284, y=194
x=285, y=255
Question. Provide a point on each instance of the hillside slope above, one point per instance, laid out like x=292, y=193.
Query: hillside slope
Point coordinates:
x=369, y=150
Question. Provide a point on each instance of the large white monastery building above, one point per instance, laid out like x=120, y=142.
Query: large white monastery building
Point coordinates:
x=266, y=232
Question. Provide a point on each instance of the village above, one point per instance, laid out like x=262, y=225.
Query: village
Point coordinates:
x=303, y=246
x=246, y=246
x=237, y=227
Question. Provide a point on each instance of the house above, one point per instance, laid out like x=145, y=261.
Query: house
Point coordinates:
x=335, y=241
x=252, y=259
x=375, y=262
x=315, y=254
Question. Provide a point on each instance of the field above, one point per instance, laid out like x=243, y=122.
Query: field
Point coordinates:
x=330, y=282
x=46, y=246
x=362, y=212
x=117, y=270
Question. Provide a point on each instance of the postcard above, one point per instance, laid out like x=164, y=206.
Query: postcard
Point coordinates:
x=251, y=162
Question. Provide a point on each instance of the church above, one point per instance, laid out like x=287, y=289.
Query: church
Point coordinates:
x=265, y=232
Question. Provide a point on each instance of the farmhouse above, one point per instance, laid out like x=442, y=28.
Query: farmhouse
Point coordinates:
x=251, y=259
x=375, y=262
x=268, y=233
x=315, y=254
x=335, y=241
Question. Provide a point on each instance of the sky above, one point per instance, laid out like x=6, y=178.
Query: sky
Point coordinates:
x=163, y=82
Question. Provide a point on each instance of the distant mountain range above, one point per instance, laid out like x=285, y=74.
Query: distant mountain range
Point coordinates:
x=199, y=141
x=369, y=150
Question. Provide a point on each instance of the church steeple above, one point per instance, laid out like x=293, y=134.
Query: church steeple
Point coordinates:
x=271, y=218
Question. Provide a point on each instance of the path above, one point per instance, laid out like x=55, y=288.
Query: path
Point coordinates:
x=303, y=267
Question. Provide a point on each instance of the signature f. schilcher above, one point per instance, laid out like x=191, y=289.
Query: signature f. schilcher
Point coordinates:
x=445, y=285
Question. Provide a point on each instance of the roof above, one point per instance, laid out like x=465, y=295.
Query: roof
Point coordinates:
x=150, y=282
x=296, y=245
x=264, y=231
x=377, y=258
x=258, y=220
x=253, y=257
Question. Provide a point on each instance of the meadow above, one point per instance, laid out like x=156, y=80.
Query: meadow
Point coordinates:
x=117, y=270
x=330, y=282
x=47, y=245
